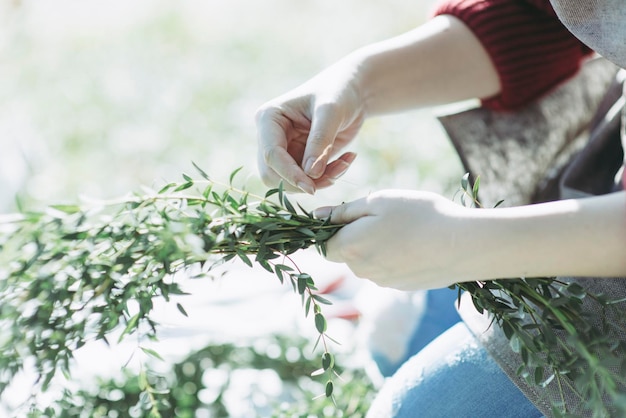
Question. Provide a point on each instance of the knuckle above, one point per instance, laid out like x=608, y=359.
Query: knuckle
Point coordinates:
x=326, y=108
x=318, y=139
x=263, y=112
x=349, y=253
x=375, y=199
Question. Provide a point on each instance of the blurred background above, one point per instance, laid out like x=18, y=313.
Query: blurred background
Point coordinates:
x=97, y=98
x=100, y=98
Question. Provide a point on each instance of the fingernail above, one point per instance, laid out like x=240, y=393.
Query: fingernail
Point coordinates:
x=342, y=171
x=313, y=167
x=323, y=213
x=306, y=188
x=350, y=157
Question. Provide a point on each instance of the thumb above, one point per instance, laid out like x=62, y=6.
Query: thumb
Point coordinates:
x=325, y=125
x=344, y=213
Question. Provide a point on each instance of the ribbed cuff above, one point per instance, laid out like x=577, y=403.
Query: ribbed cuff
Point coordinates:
x=530, y=48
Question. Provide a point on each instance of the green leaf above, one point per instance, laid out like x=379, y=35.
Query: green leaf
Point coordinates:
x=244, y=257
x=69, y=209
x=267, y=266
x=559, y=301
x=321, y=247
x=329, y=389
x=167, y=187
x=181, y=309
x=201, y=172
x=281, y=192
x=306, y=231
x=475, y=188
x=465, y=181
x=576, y=290
x=328, y=361
x=183, y=186
x=187, y=178
x=194, y=202
x=143, y=380
x=280, y=269
x=515, y=343
x=132, y=322
x=302, y=284
x=207, y=191
x=271, y=192
x=549, y=336
x=307, y=213
x=321, y=299
x=317, y=341
x=525, y=354
x=288, y=205
x=320, y=323
x=151, y=352
x=233, y=175
x=538, y=375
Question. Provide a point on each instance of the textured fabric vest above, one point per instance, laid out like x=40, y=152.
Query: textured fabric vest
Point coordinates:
x=597, y=23
x=548, y=151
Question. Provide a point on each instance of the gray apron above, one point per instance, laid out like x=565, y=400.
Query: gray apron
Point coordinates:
x=568, y=144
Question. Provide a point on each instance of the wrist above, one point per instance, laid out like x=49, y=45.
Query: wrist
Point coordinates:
x=356, y=68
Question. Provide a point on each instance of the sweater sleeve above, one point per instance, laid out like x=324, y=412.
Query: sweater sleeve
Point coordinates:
x=530, y=48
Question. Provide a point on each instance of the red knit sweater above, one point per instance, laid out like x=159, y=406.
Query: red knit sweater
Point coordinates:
x=530, y=48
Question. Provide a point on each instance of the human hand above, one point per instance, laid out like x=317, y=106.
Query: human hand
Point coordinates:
x=402, y=239
x=415, y=240
x=300, y=132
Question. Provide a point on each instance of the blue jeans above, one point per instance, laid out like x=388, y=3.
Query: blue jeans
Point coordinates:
x=453, y=376
x=438, y=316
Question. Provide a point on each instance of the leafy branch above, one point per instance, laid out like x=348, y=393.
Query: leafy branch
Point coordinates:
x=548, y=323
x=71, y=274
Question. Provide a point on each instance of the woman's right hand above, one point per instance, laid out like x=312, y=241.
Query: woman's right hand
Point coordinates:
x=300, y=132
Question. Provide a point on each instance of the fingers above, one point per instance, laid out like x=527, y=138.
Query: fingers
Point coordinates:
x=296, y=141
x=347, y=243
x=335, y=170
x=274, y=160
x=272, y=179
x=326, y=123
x=344, y=213
x=338, y=167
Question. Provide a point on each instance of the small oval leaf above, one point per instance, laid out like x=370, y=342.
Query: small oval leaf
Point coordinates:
x=328, y=361
x=329, y=388
x=320, y=323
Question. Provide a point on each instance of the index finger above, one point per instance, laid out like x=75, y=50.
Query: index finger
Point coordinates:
x=274, y=157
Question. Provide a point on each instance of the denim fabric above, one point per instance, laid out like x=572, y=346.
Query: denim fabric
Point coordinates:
x=439, y=314
x=451, y=377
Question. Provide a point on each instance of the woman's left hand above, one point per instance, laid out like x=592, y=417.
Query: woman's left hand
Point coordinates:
x=399, y=238
x=415, y=240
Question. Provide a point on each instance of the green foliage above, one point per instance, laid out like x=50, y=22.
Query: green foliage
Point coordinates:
x=547, y=322
x=188, y=378
x=73, y=274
